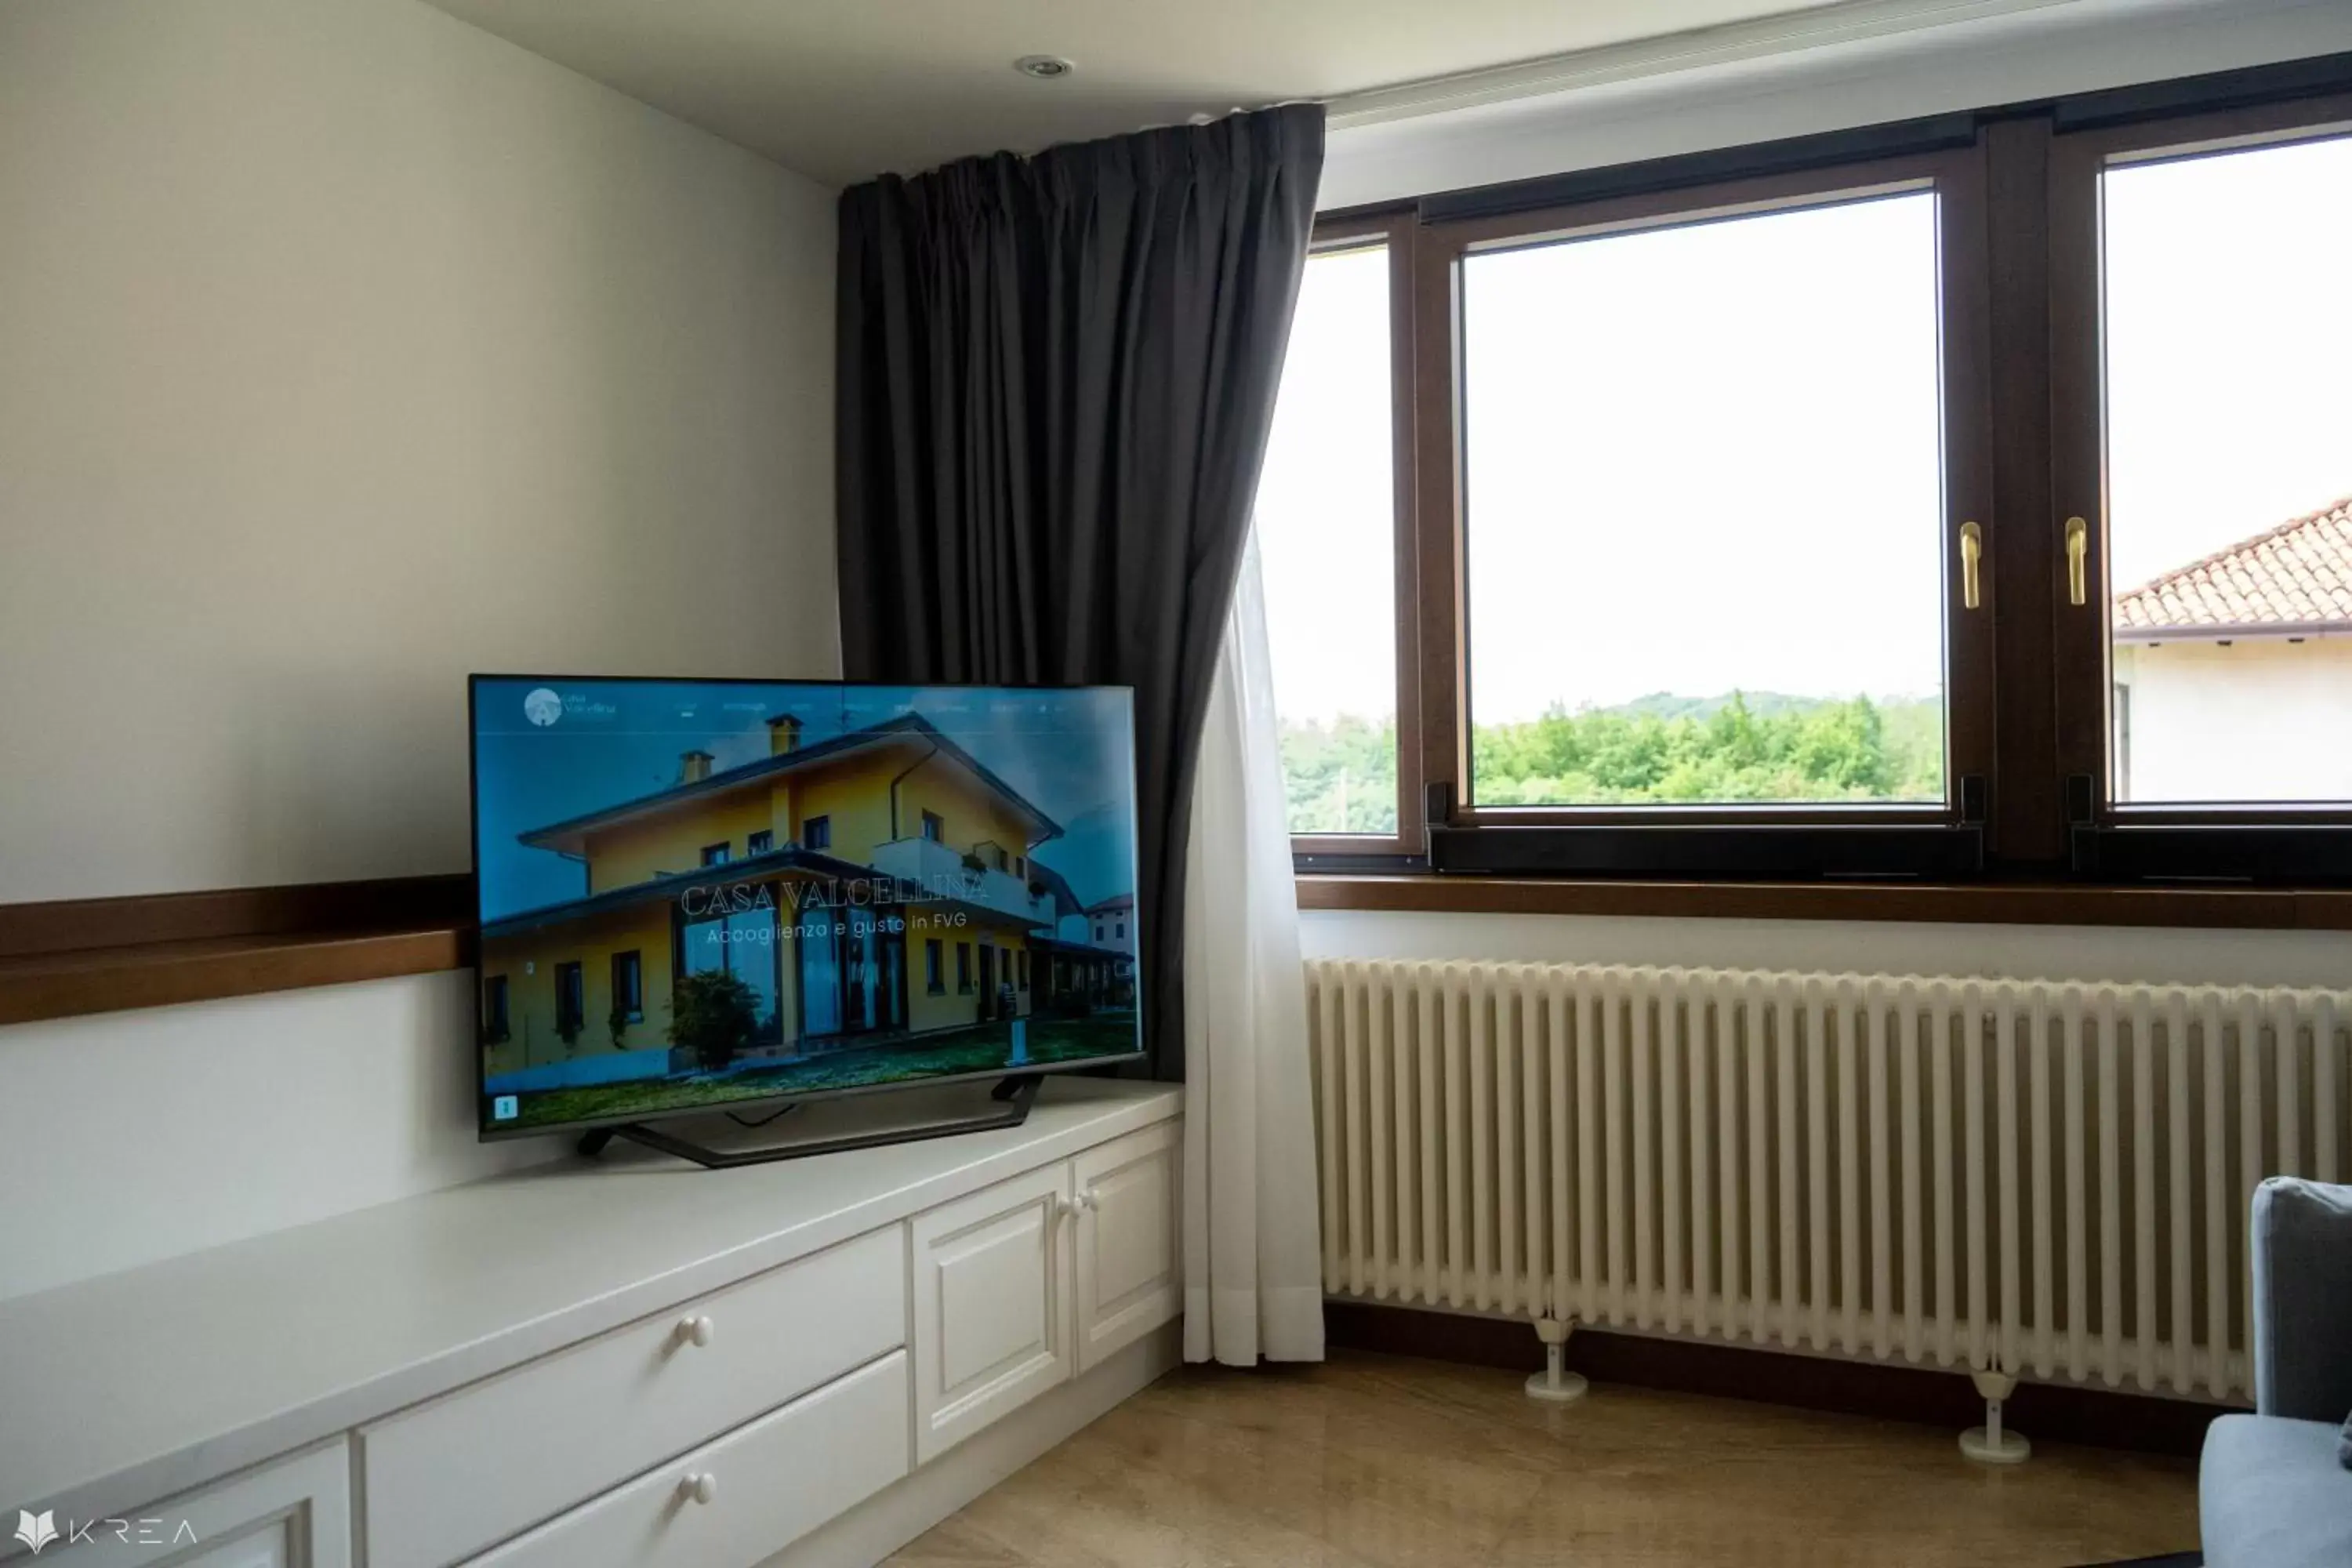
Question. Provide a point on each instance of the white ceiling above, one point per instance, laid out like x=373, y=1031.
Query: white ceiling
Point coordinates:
x=842, y=89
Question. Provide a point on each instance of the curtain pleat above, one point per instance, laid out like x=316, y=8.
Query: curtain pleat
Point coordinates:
x=1055, y=379
x=1253, y=1238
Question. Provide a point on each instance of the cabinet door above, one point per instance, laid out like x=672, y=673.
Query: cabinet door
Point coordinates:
x=277, y=1545
x=292, y=1513
x=1128, y=1279
x=992, y=1305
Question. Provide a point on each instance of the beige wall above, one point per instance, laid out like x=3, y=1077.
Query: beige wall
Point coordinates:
x=344, y=349
x=2255, y=718
x=2004, y=54
x=2117, y=953
x=349, y=348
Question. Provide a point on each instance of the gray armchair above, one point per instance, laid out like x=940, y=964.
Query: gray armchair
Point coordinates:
x=2272, y=1492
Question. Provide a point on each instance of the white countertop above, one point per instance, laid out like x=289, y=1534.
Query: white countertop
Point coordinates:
x=123, y=1390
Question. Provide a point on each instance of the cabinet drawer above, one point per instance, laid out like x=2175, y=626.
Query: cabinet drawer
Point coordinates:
x=473, y=1467
x=291, y=1513
x=767, y=1485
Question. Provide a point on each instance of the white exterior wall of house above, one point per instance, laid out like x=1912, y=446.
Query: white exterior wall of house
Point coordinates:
x=1111, y=929
x=2255, y=719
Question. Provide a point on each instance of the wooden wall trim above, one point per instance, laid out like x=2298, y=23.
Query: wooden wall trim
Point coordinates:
x=68, y=957
x=1966, y=903
x=2142, y=1423
x=66, y=925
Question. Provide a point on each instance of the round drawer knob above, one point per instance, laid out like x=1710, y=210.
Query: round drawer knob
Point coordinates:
x=695, y=1330
x=1089, y=1202
x=698, y=1488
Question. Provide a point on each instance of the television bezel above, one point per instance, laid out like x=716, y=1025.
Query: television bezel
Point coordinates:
x=486, y=1133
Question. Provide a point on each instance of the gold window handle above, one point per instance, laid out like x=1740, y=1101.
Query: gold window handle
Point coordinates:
x=1972, y=566
x=2078, y=552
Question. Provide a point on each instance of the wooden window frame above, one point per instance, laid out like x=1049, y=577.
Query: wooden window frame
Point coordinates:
x=1396, y=228
x=2263, y=841
x=1710, y=839
x=2027, y=823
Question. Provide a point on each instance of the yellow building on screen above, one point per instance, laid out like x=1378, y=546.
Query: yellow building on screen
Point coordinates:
x=874, y=887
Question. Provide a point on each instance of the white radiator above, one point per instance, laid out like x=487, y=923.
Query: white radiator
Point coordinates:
x=2048, y=1180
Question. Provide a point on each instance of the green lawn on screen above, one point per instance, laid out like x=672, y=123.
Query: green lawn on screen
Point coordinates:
x=978, y=1049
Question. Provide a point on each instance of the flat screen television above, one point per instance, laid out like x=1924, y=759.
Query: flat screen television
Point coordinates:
x=702, y=895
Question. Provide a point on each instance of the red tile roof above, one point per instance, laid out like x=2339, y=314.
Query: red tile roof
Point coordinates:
x=2298, y=574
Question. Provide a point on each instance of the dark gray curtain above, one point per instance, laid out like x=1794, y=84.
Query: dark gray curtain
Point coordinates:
x=1055, y=379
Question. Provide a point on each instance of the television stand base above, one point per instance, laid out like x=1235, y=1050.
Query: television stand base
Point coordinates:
x=1015, y=1094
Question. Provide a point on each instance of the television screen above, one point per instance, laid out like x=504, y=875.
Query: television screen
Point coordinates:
x=698, y=895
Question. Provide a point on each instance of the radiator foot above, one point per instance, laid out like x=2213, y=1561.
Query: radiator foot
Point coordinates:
x=1555, y=1383
x=1993, y=1444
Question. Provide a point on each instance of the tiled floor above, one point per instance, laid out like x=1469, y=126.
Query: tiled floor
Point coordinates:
x=1398, y=1464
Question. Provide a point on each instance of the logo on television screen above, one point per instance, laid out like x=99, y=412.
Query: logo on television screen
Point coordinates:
x=543, y=707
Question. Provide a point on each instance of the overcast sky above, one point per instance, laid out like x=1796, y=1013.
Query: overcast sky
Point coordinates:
x=1708, y=458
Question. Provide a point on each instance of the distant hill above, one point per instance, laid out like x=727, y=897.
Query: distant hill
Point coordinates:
x=1763, y=704
x=1341, y=776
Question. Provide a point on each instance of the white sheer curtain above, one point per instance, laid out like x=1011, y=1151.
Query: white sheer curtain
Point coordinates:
x=1252, y=1263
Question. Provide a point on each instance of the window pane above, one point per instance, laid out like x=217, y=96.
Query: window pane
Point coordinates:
x=1326, y=526
x=1703, y=471
x=2228, y=339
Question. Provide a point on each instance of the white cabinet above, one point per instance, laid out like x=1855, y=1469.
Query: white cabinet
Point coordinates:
x=293, y=1513
x=1127, y=1245
x=822, y=1333
x=991, y=1321
x=272, y=1548
x=452, y=1476
x=1028, y=1283
x=734, y=1503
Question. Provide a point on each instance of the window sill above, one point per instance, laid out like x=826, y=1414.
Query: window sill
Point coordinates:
x=1980, y=903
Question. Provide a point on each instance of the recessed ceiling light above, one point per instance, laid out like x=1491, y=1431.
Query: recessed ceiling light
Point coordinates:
x=1045, y=67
